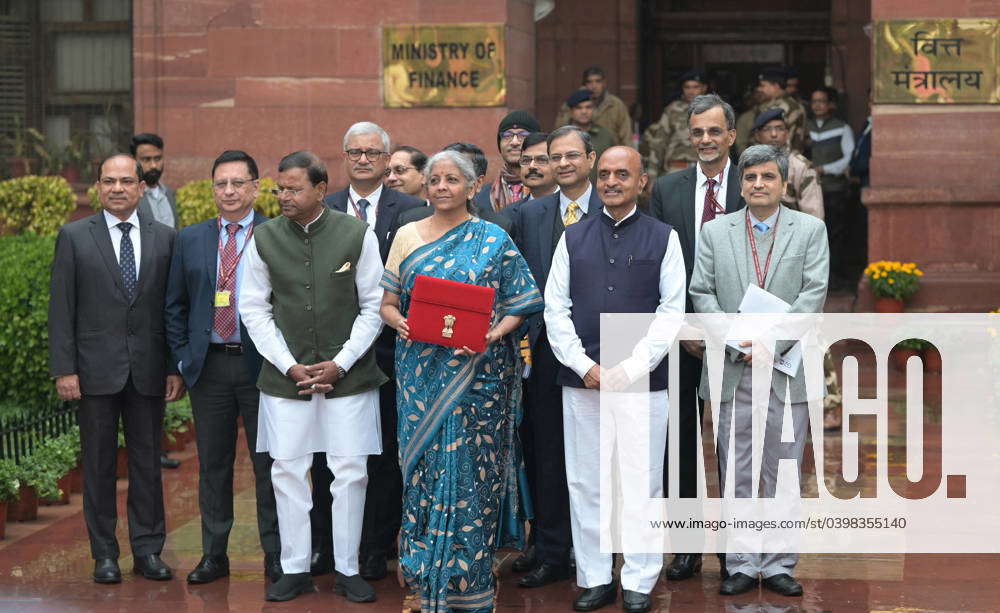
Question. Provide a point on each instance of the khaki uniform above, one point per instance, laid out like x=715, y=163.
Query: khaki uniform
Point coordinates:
x=744, y=131
x=611, y=114
x=803, y=192
x=795, y=119
x=667, y=143
x=602, y=140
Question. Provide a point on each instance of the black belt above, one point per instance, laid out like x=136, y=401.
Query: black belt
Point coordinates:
x=226, y=348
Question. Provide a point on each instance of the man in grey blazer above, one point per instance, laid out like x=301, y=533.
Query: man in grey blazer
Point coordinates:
x=786, y=253
x=107, y=349
x=158, y=202
x=686, y=200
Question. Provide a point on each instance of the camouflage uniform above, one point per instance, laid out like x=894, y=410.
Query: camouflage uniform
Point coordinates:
x=611, y=114
x=795, y=119
x=667, y=142
x=803, y=192
x=744, y=131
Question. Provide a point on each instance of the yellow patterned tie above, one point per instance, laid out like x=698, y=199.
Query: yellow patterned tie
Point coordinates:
x=571, y=216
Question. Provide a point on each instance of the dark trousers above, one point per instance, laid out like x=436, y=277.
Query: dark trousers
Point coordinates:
x=384, y=496
x=545, y=459
x=225, y=391
x=690, y=415
x=142, y=418
x=838, y=216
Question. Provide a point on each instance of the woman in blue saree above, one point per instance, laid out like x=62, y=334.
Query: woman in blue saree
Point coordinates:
x=458, y=409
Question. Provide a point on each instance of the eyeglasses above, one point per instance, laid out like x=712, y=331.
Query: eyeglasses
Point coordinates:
x=372, y=154
x=541, y=160
x=712, y=132
x=292, y=191
x=571, y=157
x=127, y=182
x=508, y=135
x=236, y=183
x=397, y=169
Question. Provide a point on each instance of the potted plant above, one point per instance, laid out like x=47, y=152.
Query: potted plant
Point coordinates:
x=904, y=350
x=37, y=481
x=893, y=283
x=73, y=157
x=24, y=144
x=59, y=456
x=9, y=487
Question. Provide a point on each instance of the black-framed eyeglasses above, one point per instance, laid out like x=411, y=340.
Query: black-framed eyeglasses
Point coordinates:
x=509, y=135
x=373, y=155
x=571, y=157
x=541, y=160
x=397, y=169
x=236, y=183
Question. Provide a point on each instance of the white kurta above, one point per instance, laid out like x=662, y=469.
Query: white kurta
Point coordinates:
x=345, y=426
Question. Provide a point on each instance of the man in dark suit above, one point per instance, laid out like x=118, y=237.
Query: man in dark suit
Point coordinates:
x=686, y=200
x=219, y=362
x=538, y=224
x=107, y=350
x=366, y=156
x=478, y=159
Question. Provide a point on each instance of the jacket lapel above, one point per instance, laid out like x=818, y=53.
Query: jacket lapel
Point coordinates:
x=737, y=236
x=546, y=229
x=687, y=232
x=210, y=243
x=385, y=215
x=734, y=200
x=595, y=205
x=338, y=200
x=146, y=257
x=102, y=238
x=785, y=231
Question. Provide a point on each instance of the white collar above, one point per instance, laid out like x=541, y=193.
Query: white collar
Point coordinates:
x=372, y=198
x=583, y=201
x=769, y=221
x=113, y=221
x=703, y=178
x=619, y=221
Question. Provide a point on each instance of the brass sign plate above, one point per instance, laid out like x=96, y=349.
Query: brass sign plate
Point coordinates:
x=937, y=61
x=443, y=65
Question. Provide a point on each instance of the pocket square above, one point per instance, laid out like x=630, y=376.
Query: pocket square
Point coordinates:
x=345, y=267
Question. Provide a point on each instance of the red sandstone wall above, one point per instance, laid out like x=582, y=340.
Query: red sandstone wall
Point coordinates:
x=934, y=196
x=273, y=76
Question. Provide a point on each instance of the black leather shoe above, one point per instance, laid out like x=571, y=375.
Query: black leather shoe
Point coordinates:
x=209, y=569
x=372, y=567
x=106, y=571
x=354, y=588
x=594, y=598
x=289, y=586
x=783, y=584
x=544, y=574
x=737, y=583
x=272, y=566
x=526, y=561
x=684, y=566
x=723, y=571
x=152, y=567
x=321, y=563
x=168, y=462
x=635, y=602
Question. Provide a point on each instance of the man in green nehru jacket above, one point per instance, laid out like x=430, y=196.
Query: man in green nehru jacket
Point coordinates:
x=310, y=301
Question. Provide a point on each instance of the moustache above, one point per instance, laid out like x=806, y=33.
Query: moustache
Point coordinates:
x=534, y=173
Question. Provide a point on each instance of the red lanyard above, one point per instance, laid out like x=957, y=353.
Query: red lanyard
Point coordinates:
x=357, y=211
x=223, y=273
x=762, y=276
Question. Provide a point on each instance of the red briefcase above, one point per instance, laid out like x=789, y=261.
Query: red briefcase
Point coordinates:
x=450, y=313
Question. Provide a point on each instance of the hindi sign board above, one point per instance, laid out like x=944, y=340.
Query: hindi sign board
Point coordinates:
x=443, y=65
x=937, y=61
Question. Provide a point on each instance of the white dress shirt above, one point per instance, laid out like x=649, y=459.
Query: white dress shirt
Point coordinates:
x=836, y=167
x=159, y=204
x=116, y=237
x=721, y=190
x=566, y=344
x=372, y=198
x=583, y=202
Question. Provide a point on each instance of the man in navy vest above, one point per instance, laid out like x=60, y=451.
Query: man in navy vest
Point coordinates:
x=219, y=362
x=616, y=261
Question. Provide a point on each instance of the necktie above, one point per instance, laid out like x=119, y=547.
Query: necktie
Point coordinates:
x=761, y=227
x=712, y=207
x=126, y=260
x=571, y=216
x=225, y=316
x=363, y=209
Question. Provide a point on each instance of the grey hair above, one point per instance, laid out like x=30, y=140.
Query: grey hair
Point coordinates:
x=762, y=154
x=462, y=162
x=588, y=143
x=367, y=127
x=706, y=102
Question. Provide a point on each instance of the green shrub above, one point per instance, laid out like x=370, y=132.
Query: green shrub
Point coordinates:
x=176, y=416
x=40, y=471
x=24, y=334
x=39, y=205
x=196, y=203
x=9, y=482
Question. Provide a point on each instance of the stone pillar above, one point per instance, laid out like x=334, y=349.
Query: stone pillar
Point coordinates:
x=933, y=197
x=275, y=76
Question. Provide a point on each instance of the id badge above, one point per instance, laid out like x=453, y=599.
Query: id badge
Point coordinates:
x=222, y=298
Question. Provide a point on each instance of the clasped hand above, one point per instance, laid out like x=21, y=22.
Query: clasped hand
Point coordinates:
x=492, y=336
x=316, y=378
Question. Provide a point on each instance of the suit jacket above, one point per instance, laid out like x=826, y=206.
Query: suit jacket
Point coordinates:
x=390, y=204
x=482, y=198
x=535, y=233
x=190, y=314
x=146, y=209
x=95, y=330
x=672, y=202
x=489, y=215
x=800, y=263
